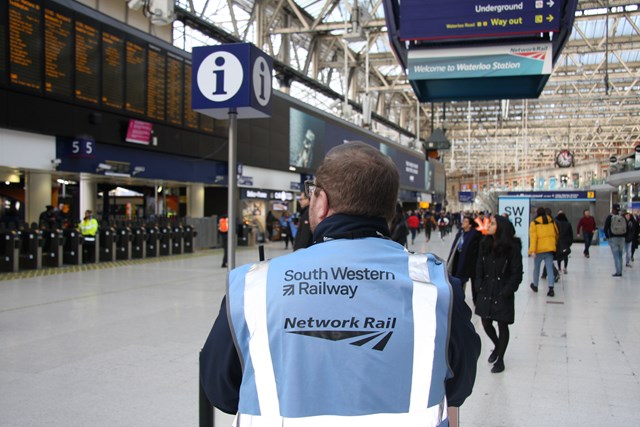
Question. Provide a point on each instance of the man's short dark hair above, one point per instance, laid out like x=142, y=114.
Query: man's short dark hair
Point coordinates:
x=359, y=180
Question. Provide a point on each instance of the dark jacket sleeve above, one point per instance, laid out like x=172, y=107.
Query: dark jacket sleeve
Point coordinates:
x=607, y=227
x=304, y=237
x=514, y=275
x=464, y=349
x=220, y=368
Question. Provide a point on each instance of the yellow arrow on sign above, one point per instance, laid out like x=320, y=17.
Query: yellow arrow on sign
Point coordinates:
x=550, y=18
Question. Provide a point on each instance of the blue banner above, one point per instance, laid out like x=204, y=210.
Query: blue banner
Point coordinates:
x=557, y=195
x=429, y=19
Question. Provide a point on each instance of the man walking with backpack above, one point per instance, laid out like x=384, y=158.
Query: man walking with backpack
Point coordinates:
x=615, y=228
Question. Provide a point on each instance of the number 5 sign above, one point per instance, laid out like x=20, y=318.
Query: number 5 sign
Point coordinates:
x=231, y=76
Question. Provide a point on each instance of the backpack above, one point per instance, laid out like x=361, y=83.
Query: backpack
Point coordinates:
x=618, y=225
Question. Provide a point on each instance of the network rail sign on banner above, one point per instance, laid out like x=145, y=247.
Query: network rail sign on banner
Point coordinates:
x=474, y=62
x=442, y=19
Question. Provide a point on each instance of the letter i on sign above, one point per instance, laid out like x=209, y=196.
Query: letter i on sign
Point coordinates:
x=262, y=77
x=219, y=75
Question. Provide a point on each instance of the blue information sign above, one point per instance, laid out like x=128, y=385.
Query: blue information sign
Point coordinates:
x=232, y=76
x=442, y=19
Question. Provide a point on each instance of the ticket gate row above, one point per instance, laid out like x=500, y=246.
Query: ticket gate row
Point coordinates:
x=32, y=249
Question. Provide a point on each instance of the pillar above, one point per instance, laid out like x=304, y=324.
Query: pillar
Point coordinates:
x=87, y=195
x=37, y=195
x=195, y=201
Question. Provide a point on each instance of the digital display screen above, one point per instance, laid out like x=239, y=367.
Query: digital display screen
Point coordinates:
x=87, y=62
x=190, y=116
x=156, y=74
x=136, y=57
x=58, y=73
x=175, y=76
x=25, y=44
x=113, y=61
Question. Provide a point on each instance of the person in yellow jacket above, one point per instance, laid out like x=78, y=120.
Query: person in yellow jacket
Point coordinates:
x=89, y=228
x=543, y=237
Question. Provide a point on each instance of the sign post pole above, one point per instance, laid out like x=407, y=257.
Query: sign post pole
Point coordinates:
x=233, y=189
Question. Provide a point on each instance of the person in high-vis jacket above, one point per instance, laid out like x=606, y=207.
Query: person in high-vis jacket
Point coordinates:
x=352, y=331
x=89, y=229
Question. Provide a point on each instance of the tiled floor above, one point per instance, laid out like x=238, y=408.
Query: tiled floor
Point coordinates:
x=119, y=346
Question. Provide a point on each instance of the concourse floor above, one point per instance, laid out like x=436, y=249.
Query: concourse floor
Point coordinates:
x=118, y=346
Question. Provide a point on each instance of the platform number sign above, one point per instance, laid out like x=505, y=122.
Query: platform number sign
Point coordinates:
x=233, y=76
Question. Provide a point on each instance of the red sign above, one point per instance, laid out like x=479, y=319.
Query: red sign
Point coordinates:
x=139, y=132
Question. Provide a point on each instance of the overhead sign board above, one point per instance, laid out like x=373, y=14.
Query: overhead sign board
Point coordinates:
x=444, y=19
x=481, y=61
x=235, y=76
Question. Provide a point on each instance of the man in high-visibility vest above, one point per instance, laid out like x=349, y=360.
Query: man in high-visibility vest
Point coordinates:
x=223, y=230
x=351, y=331
x=89, y=229
x=482, y=223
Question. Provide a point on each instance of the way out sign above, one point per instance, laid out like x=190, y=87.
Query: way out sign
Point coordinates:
x=231, y=77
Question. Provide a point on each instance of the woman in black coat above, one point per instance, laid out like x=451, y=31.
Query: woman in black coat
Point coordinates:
x=565, y=240
x=398, y=227
x=498, y=275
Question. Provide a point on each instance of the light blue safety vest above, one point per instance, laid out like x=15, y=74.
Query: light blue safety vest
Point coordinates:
x=344, y=333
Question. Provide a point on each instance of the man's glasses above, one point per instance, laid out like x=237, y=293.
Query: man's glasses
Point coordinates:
x=310, y=188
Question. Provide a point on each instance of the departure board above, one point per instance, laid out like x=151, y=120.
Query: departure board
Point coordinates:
x=25, y=44
x=112, y=69
x=3, y=45
x=58, y=73
x=175, y=76
x=206, y=123
x=156, y=75
x=190, y=116
x=54, y=50
x=136, y=68
x=87, y=62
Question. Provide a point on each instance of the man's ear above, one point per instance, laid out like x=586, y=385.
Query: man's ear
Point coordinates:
x=323, y=209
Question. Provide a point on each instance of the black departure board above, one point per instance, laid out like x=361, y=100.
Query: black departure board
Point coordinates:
x=156, y=84
x=52, y=49
x=206, y=123
x=175, y=76
x=113, y=61
x=87, y=62
x=3, y=45
x=58, y=72
x=190, y=116
x=25, y=44
x=136, y=68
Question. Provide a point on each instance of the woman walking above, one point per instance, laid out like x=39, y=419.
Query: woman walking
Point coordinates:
x=498, y=276
x=565, y=240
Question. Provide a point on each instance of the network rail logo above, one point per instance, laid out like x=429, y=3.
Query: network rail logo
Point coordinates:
x=371, y=330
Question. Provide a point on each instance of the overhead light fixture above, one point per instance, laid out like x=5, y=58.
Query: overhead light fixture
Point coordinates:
x=292, y=168
x=160, y=189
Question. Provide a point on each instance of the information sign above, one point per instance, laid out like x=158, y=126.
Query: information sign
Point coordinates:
x=443, y=19
x=232, y=76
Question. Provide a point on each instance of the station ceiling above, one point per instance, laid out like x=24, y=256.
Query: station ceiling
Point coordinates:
x=590, y=105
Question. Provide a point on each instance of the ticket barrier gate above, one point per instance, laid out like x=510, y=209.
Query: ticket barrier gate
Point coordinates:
x=31, y=243
x=164, y=241
x=123, y=243
x=52, y=251
x=152, y=244
x=138, y=243
x=177, y=240
x=9, y=251
x=189, y=235
x=72, y=251
x=90, y=248
x=107, y=244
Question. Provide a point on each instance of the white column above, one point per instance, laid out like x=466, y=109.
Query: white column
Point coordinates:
x=87, y=195
x=195, y=201
x=37, y=194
